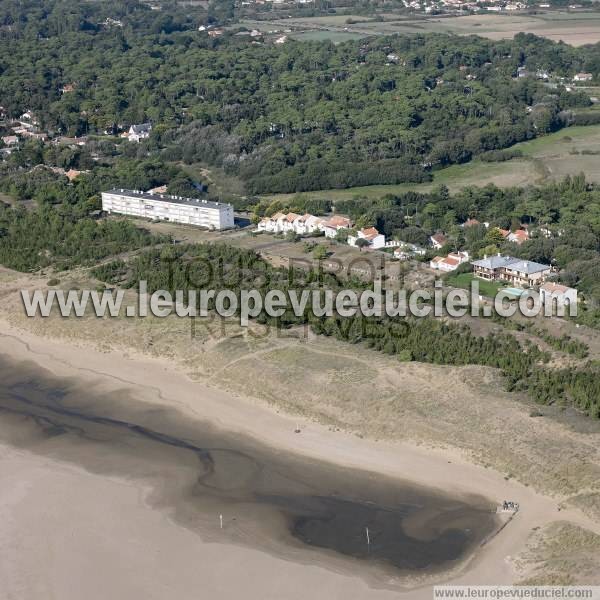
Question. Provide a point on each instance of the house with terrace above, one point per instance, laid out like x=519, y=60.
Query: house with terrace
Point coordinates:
x=515, y=271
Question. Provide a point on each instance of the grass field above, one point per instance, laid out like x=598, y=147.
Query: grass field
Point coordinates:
x=572, y=27
x=464, y=280
x=545, y=159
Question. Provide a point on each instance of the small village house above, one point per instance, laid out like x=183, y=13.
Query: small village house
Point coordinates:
x=72, y=174
x=334, y=224
x=406, y=251
x=518, y=237
x=138, y=132
x=583, y=77
x=438, y=240
x=557, y=294
x=289, y=222
x=272, y=224
x=375, y=239
x=450, y=262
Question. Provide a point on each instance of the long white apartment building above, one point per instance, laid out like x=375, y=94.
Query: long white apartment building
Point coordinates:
x=149, y=205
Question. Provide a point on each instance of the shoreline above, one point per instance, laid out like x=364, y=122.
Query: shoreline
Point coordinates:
x=159, y=381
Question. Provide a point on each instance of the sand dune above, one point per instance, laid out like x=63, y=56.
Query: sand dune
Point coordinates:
x=96, y=528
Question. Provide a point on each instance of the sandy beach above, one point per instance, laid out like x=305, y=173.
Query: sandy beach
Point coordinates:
x=59, y=521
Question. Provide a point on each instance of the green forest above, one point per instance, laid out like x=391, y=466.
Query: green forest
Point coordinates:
x=300, y=116
x=287, y=118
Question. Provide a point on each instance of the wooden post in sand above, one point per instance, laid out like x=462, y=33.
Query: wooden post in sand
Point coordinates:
x=221, y=520
x=368, y=538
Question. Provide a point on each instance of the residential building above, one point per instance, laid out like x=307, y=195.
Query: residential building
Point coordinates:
x=450, y=262
x=313, y=224
x=334, y=224
x=10, y=140
x=471, y=223
x=139, y=132
x=289, y=222
x=191, y=211
x=279, y=223
x=438, y=240
x=561, y=295
x=511, y=270
x=300, y=224
x=370, y=234
x=307, y=223
x=406, y=251
x=518, y=237
x=161, y=189
x=583, y=77
x=72, y=174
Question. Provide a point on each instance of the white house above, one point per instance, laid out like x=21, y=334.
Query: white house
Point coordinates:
x=334, y=224
x=300, y=224
x=450, y=262
x=518, y=237
x=279, y=219
x=406, y=250
x=177, y=209
x=583, y=77
x=313, y=224
x=139, y=132
x=562, y=295
x=438, y=240
x=306, y=223
x=288, y=222
x=370, y=234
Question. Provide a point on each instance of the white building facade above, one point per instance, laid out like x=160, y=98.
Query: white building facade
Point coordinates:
x=555, y=293
x=177, y=209
x=376, y=240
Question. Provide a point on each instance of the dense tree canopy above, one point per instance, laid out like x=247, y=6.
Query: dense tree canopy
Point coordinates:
x=305, y=115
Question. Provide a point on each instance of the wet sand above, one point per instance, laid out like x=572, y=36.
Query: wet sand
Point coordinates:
x=289, y=506
x=82, y=509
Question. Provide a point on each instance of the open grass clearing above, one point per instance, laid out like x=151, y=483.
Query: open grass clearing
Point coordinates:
x=575, y=27
x=464, y=281
x=545, y=159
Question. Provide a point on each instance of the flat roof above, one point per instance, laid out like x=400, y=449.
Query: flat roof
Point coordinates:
x=167, y=198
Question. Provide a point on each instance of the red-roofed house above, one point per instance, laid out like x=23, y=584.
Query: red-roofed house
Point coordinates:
x=518, y=237
x=334, y=224
x=370, y=234
x=551, y=292
x=273, y=224
x=450, y=263
x=288, y=221
x=438, y=240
